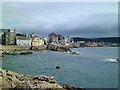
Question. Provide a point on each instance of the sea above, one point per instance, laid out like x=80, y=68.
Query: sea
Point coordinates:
x=95, y=67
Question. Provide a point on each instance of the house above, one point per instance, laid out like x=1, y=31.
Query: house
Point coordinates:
x=45, y=40
x=23, y=40
x=61, y=38
x=68, y=40
x=93, y=44
x=37, y=41
x=7, y=36
x=55, y=38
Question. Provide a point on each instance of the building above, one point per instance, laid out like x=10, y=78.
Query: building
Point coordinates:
x=37, y=41
x=68, y=40
x=7, y=36
x=1, y=35
x=93, y=44
x=61, y=38
x=45, y=40
x=55, y=38
x=23, y=41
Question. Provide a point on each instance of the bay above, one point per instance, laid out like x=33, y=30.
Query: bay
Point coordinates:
x=95, y=67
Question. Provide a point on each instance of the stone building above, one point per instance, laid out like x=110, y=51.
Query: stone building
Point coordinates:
x=7, y=36
x=55, y=38
x=1, y=35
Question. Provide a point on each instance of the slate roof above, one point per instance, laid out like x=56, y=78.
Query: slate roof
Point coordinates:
x=22, y=38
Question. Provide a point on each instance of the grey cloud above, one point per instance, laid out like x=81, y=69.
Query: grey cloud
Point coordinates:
x=44, y=18
x=95, y=24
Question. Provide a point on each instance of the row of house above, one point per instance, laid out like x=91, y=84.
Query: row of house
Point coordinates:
x=10, y=37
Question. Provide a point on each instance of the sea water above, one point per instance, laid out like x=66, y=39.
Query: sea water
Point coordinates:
x=95, y=67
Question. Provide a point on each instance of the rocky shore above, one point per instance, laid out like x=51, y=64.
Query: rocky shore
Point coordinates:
x=14, y=50
x=17, y=50
x=12, y=80
x=61, y=49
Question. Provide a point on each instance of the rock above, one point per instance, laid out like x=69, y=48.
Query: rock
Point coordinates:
x=58, y=67
x=49, y=86
x=25, y=53
x=52, y=77
x=75, y=53
x=44, y=78
x=22, y=86
x=69, y=87
x=16, y=52
x=118, y=59
x=6, y=83
x=57, y=48
x=61, y=49
x=17, y=81
x=1, y=55
x=52, y=81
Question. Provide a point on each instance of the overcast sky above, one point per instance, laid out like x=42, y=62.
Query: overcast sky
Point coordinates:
x=93, y=19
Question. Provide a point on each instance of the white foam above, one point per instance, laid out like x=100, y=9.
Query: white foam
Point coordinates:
x=111, y=60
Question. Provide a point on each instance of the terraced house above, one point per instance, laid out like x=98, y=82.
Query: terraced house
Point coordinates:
x=22, y=40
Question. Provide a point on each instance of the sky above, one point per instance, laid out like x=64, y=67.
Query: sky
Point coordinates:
x=81, y=19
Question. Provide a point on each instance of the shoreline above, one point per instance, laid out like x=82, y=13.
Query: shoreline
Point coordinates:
x=118, y=59
x=12, y=80
x=20, y=50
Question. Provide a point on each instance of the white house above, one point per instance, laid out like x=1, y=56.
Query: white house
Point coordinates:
x=23, y=41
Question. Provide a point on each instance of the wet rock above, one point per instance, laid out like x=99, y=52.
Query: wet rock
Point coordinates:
x=118, y=59
x=13, y=52
x=1, y=55
x=58, y=67
x=69, y=87
x=25, y=53
x=75, y=53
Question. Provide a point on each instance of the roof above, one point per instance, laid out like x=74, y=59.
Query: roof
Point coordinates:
x=52, y=35
x=7, y=30
x=40, y=38
x=4, y=30
x=18, y=34
x=22, y=38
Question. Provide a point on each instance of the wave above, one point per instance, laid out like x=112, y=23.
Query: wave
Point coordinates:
x=111, y=60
